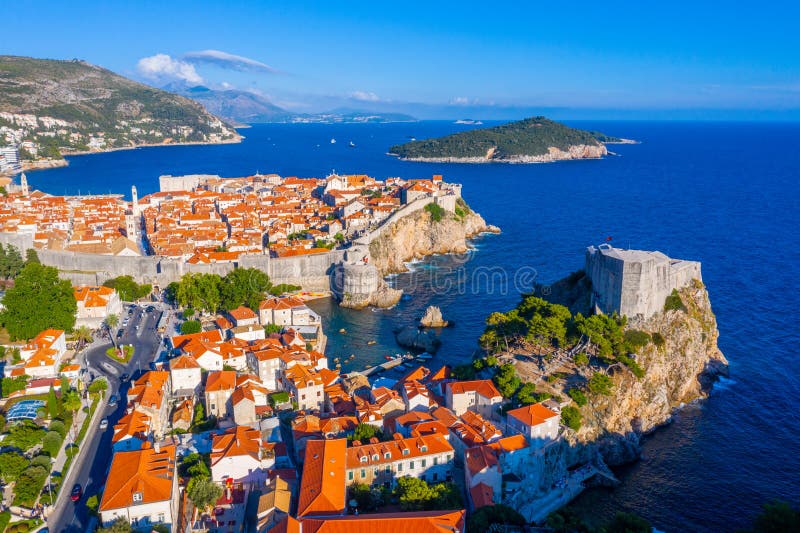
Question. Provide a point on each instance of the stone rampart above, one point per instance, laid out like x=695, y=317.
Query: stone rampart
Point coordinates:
x=635, y=283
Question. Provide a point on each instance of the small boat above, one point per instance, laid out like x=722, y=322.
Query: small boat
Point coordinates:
x=333, y=141
x=335, y=359
x=352, y=356
x=388, y=357
x=342, y=331
x=351, y=144
x=370, y=343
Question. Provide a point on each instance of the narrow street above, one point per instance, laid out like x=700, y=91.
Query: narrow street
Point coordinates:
x=94, y=460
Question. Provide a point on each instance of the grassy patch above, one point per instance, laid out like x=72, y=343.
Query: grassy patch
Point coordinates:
x=121, y=355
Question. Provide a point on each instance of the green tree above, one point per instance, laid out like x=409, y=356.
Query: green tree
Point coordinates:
x=29, y=484
x=629, y=523
x=98, y=385
x=366, y=498
x=581, y=359
x=527, y=395
x=127, y=288
x=31, y=256
x=414, y=494
x=191, y=326
x=243, y=286
x=506, y=380
x=203, y=492
x=775, y=517
x=485, y=517
x=38, y=300
x=83, y=334
x=577, y=396
x=59, y=427
x=571, y=417
x=269, y=329
x=71, y=401
x=11, y=466
x=51, y=443
x=674, y=302
x=52, y=403
x=600, y=384
x=24, y=435
x=11, y=385
x=11, y=262
x=199, y=291
x=195, y=465
x=364, y=432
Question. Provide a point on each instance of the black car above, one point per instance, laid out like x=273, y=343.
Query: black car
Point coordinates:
x=124, y=377
x=76, y=492
x=119, y=334
x=150, y=309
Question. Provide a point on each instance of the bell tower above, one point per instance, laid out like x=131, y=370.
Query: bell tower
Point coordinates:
x=23, y=184
x=134, y=201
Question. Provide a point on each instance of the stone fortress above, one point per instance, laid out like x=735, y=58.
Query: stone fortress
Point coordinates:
x=635, y=283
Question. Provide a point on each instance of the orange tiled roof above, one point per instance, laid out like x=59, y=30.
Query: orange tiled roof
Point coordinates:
x=237, y=441
x=484, y=387
x=532, y=415
x=322, y=490
x=407, y=522
x=220, y=380
x=147, y=472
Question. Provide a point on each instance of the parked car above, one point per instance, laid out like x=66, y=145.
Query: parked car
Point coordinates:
x=125, y=377
x=76, y=492
x=119, y=334
x=104, y=424
x=112, y=401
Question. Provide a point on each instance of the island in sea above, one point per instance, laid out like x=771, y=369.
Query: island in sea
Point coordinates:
x=51, y=108
x=532, y=140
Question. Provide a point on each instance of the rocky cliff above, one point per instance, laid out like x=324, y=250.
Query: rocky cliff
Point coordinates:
x=578, y=151
x=679, y=371
x=418, y=235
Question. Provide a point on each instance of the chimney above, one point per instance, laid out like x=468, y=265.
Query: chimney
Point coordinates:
x=157, y=447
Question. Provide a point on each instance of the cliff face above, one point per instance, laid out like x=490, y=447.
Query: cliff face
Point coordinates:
x=418, y=235
x=578, y=151
x=680, y=371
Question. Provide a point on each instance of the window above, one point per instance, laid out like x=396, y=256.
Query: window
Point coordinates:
x=137, y=497
x=213, y=407
x=387, y=455
x=303, y=397
x=388, y=469
x=411, y=465
x=363, y=458
x=424, y=463
x=399, y=467
x=435, y=461
x=376, y=457
x=363, y=473
x=350, y=475
x=319, y=394
x=375, y=471
x=161, y=517
x=405, y=451
x=423, y=449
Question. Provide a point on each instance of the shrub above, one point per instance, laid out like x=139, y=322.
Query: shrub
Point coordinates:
x=191, y=326
x=578, y=396
x=269, y=329
x=581, y=359
x=658, y=339
x=636, y=339
x=52, y=443
x=571, y=417
x=601, y=384
x=436, y=211
x=674, y=302
x=483, y=518
x=632, y=365
x=92, y=503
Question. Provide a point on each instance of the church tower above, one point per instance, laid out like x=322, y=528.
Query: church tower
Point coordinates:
x=134, y=201
x=23, y=184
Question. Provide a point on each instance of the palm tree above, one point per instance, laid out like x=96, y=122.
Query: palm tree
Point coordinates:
x=111, y=322
x=83, y=335
x=71, y=401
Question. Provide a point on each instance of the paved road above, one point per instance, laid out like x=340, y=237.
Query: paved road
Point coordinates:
x=92, y=465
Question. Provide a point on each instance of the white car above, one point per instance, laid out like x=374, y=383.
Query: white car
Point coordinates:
x=104, y=424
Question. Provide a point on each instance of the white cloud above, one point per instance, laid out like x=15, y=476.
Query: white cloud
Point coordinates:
x=364, y=96
x=163, y=66
x=227, y=61
x=461, y=100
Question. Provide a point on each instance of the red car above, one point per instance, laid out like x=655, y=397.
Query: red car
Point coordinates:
x=76, y=493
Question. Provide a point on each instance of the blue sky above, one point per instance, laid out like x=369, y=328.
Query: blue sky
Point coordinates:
x=445, y=59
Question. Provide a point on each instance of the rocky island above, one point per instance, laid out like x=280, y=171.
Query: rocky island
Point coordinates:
x=533, y=140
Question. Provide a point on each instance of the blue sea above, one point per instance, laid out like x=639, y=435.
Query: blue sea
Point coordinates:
x=726, y=194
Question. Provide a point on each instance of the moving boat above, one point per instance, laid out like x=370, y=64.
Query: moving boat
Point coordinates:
x=333, y=141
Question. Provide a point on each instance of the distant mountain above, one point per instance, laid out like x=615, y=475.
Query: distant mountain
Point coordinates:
x=533, y=140
x=51, y=106
x=241, y=107
x=244, y=107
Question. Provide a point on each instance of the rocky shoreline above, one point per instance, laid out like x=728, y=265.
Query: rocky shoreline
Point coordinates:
x=580, y=151
x=418, y=235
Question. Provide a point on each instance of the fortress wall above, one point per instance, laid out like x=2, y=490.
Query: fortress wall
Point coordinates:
x=606, y=274
x=312, y=272
x=355, y=280
x=637, y=283
x=22, y=241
